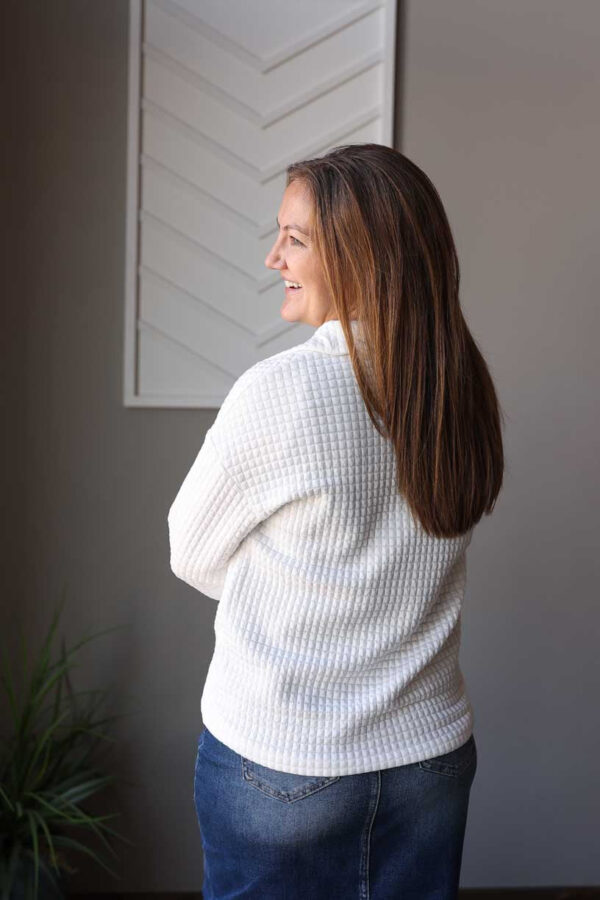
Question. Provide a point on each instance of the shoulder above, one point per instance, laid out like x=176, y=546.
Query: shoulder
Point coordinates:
x=279, y=398
x=270, y=383
x=261, y=396
x=277, y=415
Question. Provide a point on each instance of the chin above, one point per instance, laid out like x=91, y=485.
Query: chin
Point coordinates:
x=290, y=313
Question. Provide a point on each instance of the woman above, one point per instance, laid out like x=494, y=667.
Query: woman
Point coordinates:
x=329, y=511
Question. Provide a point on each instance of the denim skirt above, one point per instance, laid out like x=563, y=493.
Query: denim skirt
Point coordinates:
x=383, y=835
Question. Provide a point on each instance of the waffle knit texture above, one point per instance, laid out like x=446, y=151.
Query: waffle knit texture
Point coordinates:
x=337, y=630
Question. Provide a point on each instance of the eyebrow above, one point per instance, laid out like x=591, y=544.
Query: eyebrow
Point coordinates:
x=295, y=227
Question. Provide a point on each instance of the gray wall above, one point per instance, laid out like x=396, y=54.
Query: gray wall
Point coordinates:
x=498, y=110
x=501, y=110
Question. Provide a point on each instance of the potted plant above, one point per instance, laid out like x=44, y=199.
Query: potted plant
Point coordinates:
x=48, y=772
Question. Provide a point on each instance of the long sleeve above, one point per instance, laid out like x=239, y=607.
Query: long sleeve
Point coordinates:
x=208, y=520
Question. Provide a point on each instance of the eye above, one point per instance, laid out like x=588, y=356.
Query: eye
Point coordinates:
x=295, y=241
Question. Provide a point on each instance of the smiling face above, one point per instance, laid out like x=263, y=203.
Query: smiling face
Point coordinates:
x=295, y=256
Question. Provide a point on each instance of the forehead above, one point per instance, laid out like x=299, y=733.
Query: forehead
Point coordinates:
x=296, y=204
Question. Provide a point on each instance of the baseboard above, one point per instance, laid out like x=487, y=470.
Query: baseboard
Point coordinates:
x=542, y=893
x=555, y=893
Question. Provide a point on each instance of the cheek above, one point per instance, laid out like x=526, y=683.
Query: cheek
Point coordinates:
x=320, y=283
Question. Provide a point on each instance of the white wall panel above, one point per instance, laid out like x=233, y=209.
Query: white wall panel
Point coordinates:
x=222, y=97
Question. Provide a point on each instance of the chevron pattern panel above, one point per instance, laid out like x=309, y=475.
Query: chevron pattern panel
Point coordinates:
x=223, y=95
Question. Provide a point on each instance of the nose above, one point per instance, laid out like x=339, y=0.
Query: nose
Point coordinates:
x=274, y=258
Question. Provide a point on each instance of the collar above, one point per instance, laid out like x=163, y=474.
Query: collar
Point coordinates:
x=329, y=337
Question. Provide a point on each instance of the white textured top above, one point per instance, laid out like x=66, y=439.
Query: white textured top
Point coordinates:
x=337, y=632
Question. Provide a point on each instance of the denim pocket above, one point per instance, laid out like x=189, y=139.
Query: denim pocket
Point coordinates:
x=453, y=763
x=284, y=786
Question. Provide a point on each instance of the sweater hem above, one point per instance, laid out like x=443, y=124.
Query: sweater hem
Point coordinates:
x=360, y=757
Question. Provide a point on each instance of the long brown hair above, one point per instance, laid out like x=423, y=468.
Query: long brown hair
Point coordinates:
x=390, y=261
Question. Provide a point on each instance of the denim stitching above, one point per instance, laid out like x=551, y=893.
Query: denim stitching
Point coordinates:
x=285, y=796
x=364, y=890
x=197, y=787
x=451, y=769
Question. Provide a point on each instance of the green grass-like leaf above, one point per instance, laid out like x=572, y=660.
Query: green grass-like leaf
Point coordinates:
x=49, y=764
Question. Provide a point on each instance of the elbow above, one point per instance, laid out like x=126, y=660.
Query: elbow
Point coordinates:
x=191, y=562
x=178, y=566
x=207, y=582
x=181, y=567
x=178, y=557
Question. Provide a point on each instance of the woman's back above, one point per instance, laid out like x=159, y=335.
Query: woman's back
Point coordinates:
x=338, y=627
